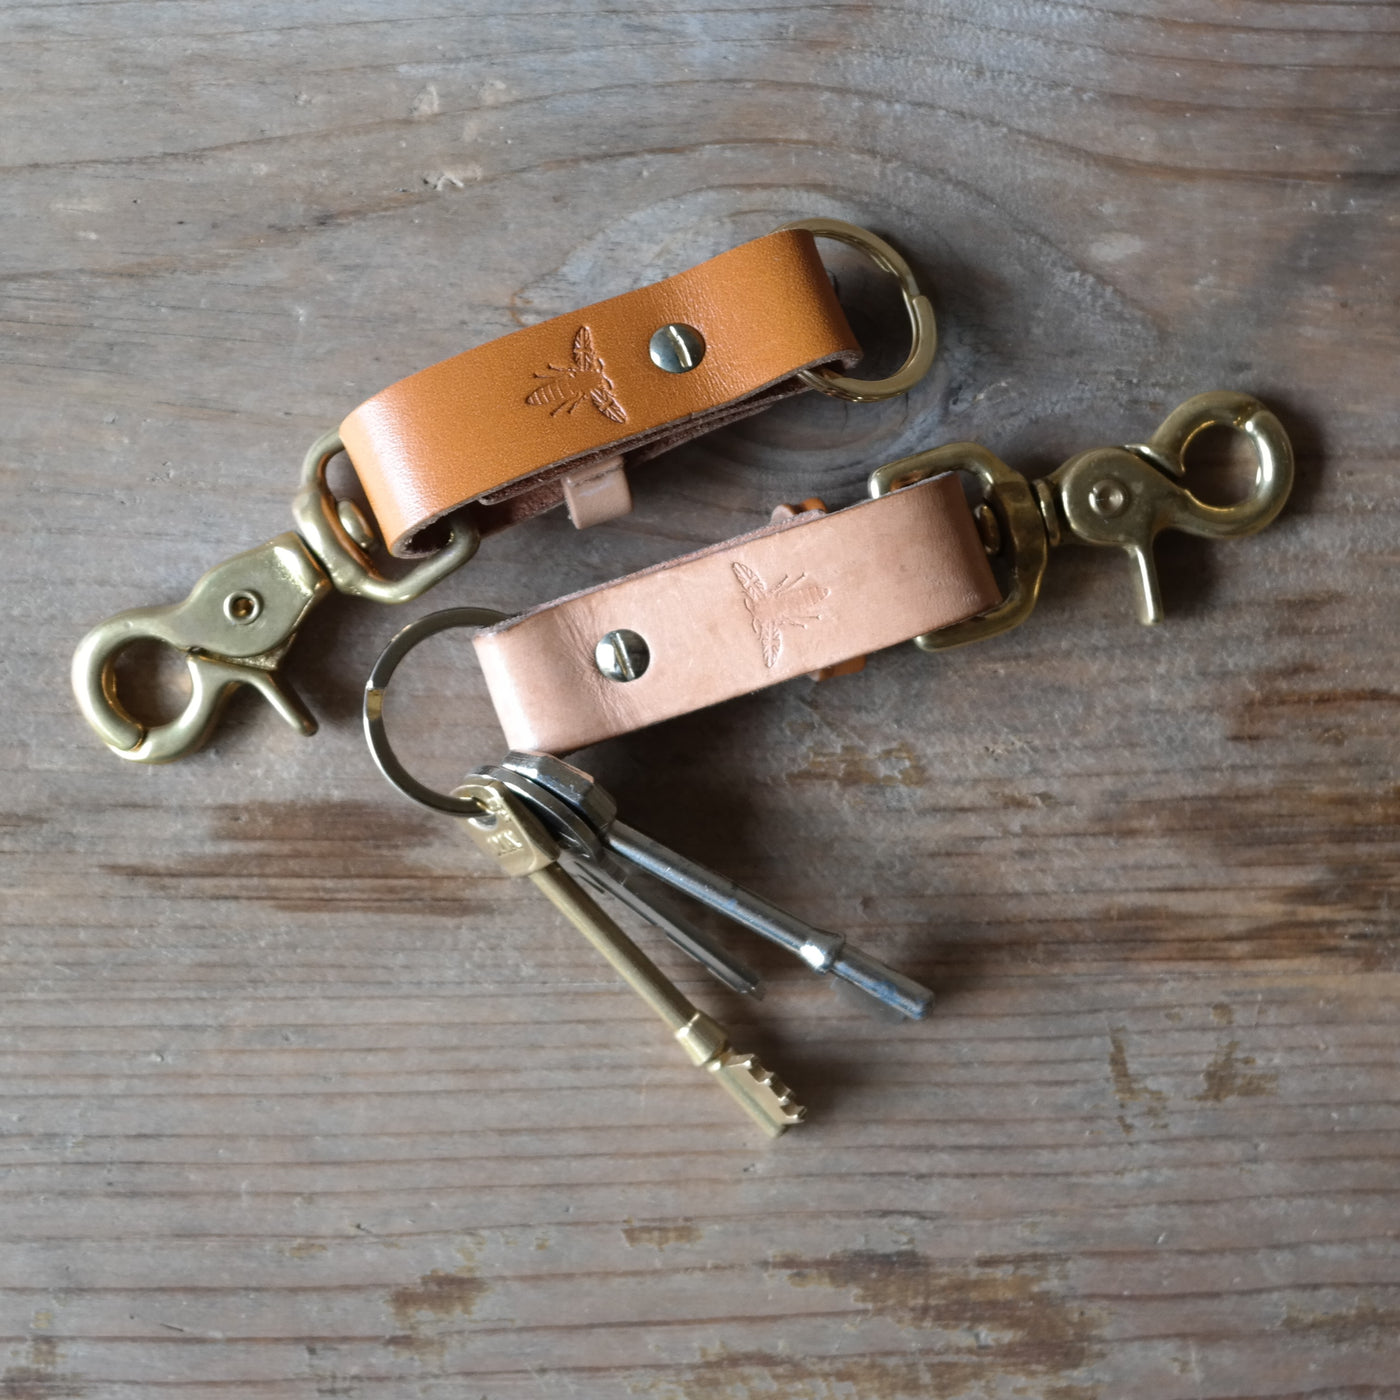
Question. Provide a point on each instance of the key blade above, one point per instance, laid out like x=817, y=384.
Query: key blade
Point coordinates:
x=712, y=955
x=577, y=830
x=505, y=829
x=857, y=999
x=822, y=951
x=549, y=779
x=628, y=960
x=766, y=1099
x=890, y=989
x=725, y=896
x=758, y=1091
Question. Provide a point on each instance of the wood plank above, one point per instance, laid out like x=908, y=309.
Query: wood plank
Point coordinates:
x=298, y=1099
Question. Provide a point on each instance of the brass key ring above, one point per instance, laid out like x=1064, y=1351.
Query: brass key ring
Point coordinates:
x=377, y=737
x=923, y=329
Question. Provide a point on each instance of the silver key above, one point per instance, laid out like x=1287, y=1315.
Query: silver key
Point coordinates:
x=714, y=957
x=822, y=951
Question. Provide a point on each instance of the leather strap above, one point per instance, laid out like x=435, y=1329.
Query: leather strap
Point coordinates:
x=797, y=596
x=597, y=493
x=501, y=425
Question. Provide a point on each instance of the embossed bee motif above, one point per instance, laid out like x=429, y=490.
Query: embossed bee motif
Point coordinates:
x=791, y=602
x=584, y=381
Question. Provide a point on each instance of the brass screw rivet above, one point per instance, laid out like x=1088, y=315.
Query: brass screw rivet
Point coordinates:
x=677, y=348
x=352, y=518
x=243, y=607
x=1108, y=498
x=622, y=655
x=989, y=527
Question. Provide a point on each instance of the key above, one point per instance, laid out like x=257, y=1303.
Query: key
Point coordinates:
x=508, y=833
x=824, y=952
x=578, y=836
x=712, y=956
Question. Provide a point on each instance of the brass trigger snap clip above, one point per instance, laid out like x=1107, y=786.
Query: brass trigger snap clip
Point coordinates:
x=241, y=618
x=1118, y=496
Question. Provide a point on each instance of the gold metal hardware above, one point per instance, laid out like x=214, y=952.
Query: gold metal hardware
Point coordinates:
x=676, y=348
x=242, y=616
x=1125, y=496
x=234, y=627
x=318, y=517
x=923, y=329
x=377, y=736
x=1012, y=502
x=622, y=655
x=1115, y=496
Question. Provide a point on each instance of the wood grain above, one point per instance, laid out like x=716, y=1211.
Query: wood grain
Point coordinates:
x=299, y=1100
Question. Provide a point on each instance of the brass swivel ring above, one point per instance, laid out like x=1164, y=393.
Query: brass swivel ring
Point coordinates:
x=923, y=329
x=376, y=736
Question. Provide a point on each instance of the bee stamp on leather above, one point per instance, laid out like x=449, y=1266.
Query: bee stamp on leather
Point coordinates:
x=585, y=380
x=791, y=602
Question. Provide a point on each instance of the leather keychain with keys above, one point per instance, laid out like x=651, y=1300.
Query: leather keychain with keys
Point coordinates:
x=913, y=551
x=546, y=415
x=582, y=817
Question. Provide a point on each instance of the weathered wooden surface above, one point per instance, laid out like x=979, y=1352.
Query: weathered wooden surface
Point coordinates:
x=299, y=1100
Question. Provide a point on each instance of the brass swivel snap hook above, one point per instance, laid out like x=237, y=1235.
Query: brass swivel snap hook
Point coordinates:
x=240, y=619
x=1118, y=496
x=1126, y=496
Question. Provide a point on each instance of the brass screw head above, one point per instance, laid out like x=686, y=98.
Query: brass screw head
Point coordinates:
x=356, y=526
x=677, y=348
x=622, y=655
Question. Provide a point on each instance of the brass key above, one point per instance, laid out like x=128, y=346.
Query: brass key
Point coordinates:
x=512, y=836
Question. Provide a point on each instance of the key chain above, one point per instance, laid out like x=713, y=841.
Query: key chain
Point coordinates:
x=550, y=414
x=868, y=575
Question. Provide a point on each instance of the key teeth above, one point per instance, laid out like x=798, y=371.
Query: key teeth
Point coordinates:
x=765, y=1096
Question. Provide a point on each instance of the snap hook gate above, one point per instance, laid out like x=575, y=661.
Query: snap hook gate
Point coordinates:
x=240, y=619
